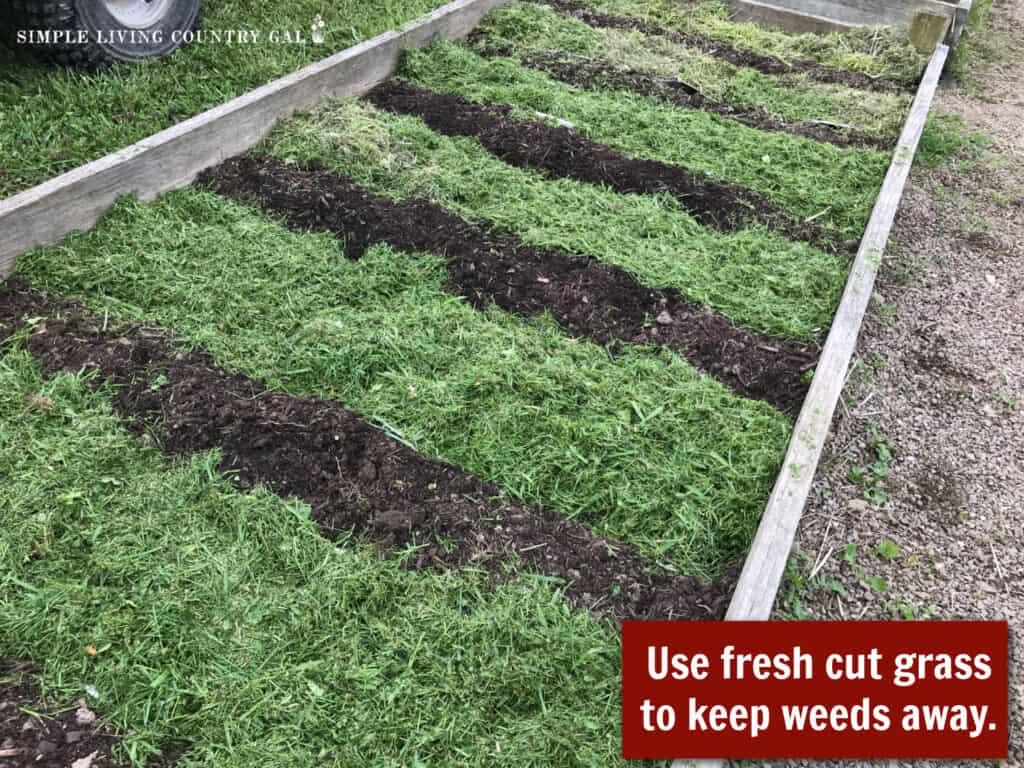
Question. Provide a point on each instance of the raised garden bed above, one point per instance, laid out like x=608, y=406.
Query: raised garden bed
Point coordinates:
x=455, y=377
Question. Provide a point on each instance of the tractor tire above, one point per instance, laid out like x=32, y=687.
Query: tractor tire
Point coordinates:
x=96, y=33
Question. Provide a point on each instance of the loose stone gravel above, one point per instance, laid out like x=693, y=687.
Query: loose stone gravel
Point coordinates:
x=939, y=381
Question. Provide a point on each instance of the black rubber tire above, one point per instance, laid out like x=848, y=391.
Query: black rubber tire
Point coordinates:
x=104, y=44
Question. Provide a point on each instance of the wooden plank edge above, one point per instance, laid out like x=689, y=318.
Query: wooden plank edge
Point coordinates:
x=956, y=31
x=172, y=158
x=759, y=581
x=755, y=593
x=787, y=15
x=786, y=18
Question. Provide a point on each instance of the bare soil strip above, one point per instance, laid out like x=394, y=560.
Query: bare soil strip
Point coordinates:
x=769, y=65
x=561, y=152
x=595, y=75
x=589, y=299
x=55, y=738
x=354, y=476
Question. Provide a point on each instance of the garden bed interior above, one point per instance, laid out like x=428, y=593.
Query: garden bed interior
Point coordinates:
x=395, y=418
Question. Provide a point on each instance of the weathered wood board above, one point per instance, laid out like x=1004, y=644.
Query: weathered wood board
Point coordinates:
x=172, y=158
x=762, y=572
x=930, y=19
x=755, y=593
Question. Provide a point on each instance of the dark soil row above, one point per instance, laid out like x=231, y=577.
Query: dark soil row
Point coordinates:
x=596, y=75
x=38, y=733
x=561, y=152
x=55, y=739
x=353, y=476
x=589, y=299
x=769, y=65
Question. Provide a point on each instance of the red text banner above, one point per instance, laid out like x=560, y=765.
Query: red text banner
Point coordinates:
x=815, y=690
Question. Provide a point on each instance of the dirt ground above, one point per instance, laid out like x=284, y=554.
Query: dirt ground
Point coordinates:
x=589, y=299
x=932, y=423
x=355, y=478
x=72, y=736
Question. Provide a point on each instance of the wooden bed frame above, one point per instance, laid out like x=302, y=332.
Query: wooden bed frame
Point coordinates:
x=172, y=158
x=926, y=22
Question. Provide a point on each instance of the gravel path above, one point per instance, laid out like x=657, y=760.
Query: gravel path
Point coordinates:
x=939, y=384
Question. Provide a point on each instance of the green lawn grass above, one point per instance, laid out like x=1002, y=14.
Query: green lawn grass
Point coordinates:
x=532, y=27
x=224, y=621
x=52, y=120
x=635, y=445
x=806, y=177
x=758, y=279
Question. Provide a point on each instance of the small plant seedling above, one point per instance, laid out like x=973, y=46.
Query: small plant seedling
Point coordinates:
x=850, y=554
x=888, y=549
x=834, y=585
x=877, y=583
x=876, y=496
x=902, y=610
x=873, y=476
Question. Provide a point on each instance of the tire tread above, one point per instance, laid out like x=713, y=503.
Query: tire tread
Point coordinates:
x=53, y=14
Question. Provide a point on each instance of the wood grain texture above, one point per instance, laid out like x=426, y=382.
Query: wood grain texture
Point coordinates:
x=754, y=596
x=830, y=15
x=171, y=159
x=776, y=14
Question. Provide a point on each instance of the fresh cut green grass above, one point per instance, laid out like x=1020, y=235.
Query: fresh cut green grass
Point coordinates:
x=758, y=279
x=225, y=624
x=876, y=51
x=636, y=445
x=526, y=27
x=805, y=177
x=54, y=119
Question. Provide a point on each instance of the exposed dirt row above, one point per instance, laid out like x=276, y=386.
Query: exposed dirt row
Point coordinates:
x=561, y=152
x=53, y=738
x=596, y=74
x=589, y=299
x=769, y=65
x=353, y=476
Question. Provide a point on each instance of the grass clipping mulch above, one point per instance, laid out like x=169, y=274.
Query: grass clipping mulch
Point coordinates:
x=354, y=477
x=592, y=300
x=192, y=615
x=560, y=152
x=719, y=48
x=638, y=445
